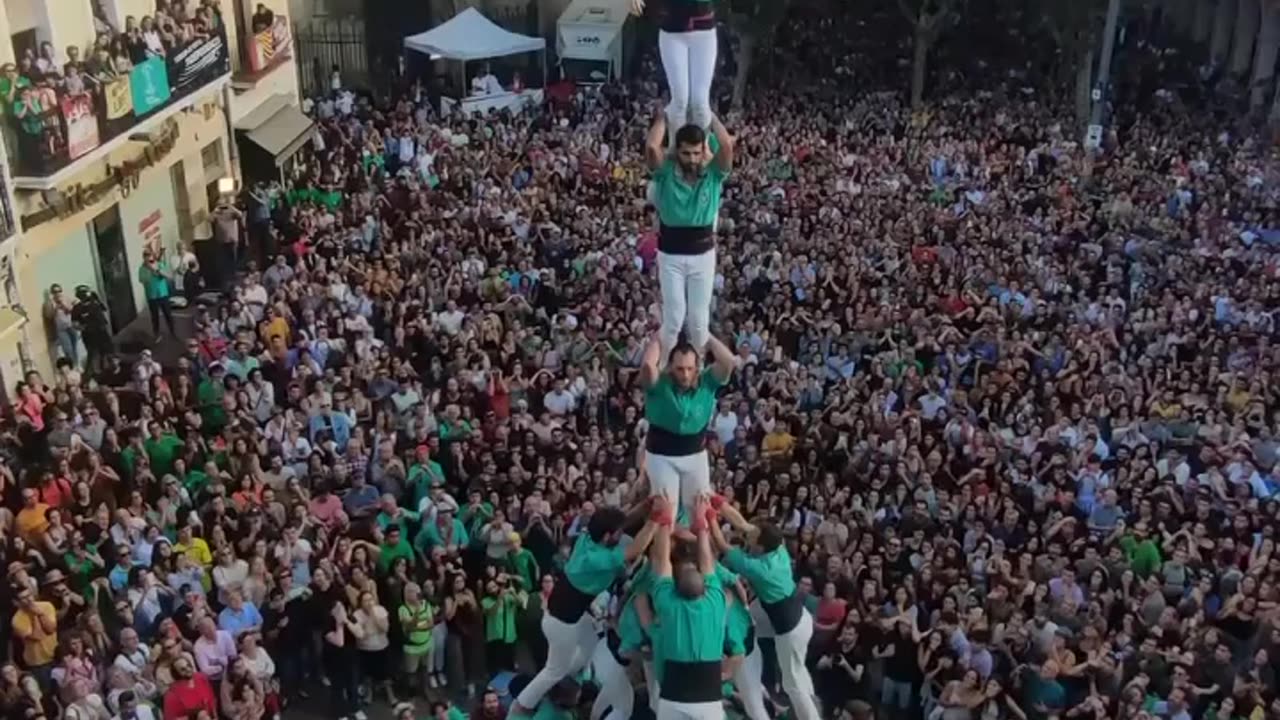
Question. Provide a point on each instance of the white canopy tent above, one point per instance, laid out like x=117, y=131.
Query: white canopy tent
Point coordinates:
x=592, y=31
x=470, y=35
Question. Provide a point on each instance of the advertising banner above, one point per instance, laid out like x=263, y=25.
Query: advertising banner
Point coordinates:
x=271, y=45
x=82, y=126
x=149, y=85
x=198, y=63
x=119, y=97
x=587, y=42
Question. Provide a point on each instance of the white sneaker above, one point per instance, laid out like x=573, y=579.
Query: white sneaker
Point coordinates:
x=360, y=715
x=324, y=680
x=431, y=682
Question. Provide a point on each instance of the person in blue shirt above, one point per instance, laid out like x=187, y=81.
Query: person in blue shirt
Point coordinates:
x=330, y=425
x=598, y=559
x=239, y=616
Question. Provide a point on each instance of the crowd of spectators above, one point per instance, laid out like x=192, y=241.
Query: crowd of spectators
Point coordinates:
x=1011, y=401
x=32, y=90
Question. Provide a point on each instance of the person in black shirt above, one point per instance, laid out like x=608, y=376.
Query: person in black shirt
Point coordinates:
x=901, y=667
x=286, y=632
x=841, y=676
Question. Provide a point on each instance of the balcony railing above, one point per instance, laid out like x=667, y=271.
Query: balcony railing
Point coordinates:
x=52, y=128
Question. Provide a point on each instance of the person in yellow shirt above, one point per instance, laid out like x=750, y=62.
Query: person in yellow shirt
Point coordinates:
x=274, y=325
x=32, y=519
x=779, y=442
x=35, y=623
x=197, y=551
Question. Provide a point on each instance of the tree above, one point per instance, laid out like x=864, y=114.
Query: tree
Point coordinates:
x=1076, y=27
x=928, y=18
x=754, y=22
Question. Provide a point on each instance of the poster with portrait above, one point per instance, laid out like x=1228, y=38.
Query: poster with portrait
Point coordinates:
x=82, y=124
x=149, y=85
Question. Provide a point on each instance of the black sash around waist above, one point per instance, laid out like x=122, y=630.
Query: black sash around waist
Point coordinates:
x=691, y=682
x=688, y=16
x=665, y=442
x=785, y=614
x=686, y=240
x=567, y=603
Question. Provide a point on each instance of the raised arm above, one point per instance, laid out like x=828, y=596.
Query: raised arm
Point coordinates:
x=725, y=362
x=724, y=156
x=655, y=149
x=702, y=518
x=649, y=363
x=658, y=513
x=660, y=552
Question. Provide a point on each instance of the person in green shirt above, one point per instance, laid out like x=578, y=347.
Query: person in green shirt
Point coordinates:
x=446, y=533
x=679, y=403
x=1142, y=552
x=209, y=395
x=690, y=599
x=687, y=189
x=157, y=284
x=598, y=559
x=768, y=571
x=393, y=546
x=417, y=618
x=162, y=449
x=500, y=604
x=522, y=565
x=744, y=664
x=424, y=474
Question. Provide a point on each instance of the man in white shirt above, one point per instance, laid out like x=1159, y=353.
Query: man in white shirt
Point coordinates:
x=485, y=83
x=559, y=402
x=451, y=319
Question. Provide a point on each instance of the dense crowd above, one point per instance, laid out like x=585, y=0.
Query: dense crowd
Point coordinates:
x=1010, y=401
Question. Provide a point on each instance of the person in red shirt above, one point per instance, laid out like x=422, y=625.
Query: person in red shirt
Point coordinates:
x=190, y=693
x=54, y=491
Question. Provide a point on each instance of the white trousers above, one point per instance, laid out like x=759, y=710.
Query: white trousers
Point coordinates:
x=569, y=648
x=748, y=679
x=689, y=61
x=651, y=682
x=616, y=693
x=791, y=649
x=672, y=710
x=680, y=479
x=687, y=283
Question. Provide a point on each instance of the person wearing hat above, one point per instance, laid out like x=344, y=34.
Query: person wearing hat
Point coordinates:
x=90, y=315
x=209, y=395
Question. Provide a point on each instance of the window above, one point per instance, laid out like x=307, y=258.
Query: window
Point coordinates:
x=211, y=158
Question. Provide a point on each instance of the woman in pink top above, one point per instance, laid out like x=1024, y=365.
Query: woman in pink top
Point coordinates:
x=30, y=406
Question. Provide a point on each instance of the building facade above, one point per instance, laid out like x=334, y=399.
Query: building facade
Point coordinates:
x=114, y=143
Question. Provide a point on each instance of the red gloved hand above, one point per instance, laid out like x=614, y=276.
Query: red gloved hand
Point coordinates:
x=660, y=512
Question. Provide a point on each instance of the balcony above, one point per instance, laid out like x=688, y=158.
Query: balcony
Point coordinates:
x=265, y=50
x=58, y=129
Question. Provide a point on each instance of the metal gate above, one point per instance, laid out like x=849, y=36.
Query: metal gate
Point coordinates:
x=324, y=42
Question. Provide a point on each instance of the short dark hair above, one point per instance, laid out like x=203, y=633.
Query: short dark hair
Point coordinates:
x=680, y=349
x=690, y=135
x=770, y=537
x=605, y=521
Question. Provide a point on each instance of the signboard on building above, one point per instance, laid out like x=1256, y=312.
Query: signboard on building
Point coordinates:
x=198, y=63
x=82, y=126
x=149, y=85
x=119, y=97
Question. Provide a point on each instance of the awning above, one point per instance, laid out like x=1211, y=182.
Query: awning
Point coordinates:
x=278, y=127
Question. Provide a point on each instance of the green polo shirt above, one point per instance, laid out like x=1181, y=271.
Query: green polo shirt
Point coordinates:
x=692, y=630
x=683, y=412
x=681, y=204
x=417, y=624
x=737, y=617
x=593, y=567
x=387, y=554
x=154, y=282
x=162, y=451
x=770, y=575
x=630, y=631
x=500, y=617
